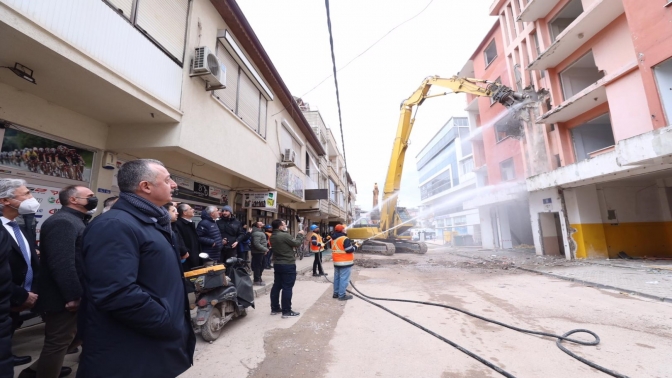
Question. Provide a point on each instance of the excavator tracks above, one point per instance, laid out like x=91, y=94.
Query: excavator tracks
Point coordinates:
x=390, y=247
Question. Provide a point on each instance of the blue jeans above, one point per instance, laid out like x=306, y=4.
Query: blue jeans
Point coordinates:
x=341, y=279
x=284, y=279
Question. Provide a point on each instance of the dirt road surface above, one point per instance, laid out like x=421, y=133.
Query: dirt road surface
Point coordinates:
x=355, y=339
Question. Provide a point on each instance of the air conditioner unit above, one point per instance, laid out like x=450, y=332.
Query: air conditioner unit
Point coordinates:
x=207, y=66
x=289, y=156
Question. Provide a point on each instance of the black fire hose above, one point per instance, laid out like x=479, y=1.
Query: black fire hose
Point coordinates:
x=480, y=359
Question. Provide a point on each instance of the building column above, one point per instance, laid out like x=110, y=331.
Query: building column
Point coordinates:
x=504, y=227
x=487, y=232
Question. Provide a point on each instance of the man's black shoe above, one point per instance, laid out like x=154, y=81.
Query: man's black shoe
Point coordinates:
x=345, y=297
x=290, y=314
x=335, y=296
x=21, y=360
x=29, y=373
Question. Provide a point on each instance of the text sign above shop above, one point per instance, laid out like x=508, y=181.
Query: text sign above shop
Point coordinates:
x=260, y=200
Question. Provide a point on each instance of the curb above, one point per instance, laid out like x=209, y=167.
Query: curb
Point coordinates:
x=267, y=288
x=583, y=282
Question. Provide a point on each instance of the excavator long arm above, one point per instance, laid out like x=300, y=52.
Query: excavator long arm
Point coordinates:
x=390, y=220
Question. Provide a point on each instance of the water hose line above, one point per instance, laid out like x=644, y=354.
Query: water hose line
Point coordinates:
x=558, y=342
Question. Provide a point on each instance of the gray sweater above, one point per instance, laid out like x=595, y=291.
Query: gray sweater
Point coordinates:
x=60, y=255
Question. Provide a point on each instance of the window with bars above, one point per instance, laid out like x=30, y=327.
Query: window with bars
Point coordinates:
x=241, y=95
x=164, y=22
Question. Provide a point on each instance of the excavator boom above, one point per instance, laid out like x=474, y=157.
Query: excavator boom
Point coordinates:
x=388, y=232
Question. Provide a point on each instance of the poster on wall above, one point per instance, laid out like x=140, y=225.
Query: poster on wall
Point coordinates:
x=220, y=194
x=260, y=200
x=47, y=196
x=38, y=155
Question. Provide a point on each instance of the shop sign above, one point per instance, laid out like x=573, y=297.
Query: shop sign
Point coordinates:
x=49, y=204
x=201, y=190
x=220, y=194
x=36, y=155
x=183, y=182
x=260, y=200
x=288, y=181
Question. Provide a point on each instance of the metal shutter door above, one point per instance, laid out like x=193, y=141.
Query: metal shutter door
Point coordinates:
x=228, y=94
x=125, y=6
x=248, y=102
x=166, y=22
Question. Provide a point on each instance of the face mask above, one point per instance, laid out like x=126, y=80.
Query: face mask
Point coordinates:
x=183, y=260
x=29, y=206
x=91, y=203
x=92, y=211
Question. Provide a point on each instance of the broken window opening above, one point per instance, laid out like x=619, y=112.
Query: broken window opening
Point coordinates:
x=507, y=170
x=592, y=136
x=580, y=75
x=490, y=53
x=565, y=17
x=663, y=74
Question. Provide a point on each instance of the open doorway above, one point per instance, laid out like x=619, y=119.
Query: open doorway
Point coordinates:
x=551, y=234
x=567, y=15
x=580, y=75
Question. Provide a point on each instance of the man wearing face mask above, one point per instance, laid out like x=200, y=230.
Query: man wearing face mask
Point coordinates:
x=59, y=285
x=16, y=200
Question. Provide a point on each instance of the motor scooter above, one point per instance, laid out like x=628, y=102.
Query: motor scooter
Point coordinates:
x=220, y=293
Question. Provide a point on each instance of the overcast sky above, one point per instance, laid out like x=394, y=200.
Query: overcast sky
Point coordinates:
x=437, y=42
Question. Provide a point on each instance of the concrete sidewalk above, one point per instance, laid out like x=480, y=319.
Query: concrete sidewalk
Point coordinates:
x=647, y=278
x=302, y=266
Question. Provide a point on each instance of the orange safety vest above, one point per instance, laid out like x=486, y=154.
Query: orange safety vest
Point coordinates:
x=338, y=254
x=316, y=248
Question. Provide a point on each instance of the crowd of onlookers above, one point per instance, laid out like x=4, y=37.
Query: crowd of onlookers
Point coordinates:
x=113, y=285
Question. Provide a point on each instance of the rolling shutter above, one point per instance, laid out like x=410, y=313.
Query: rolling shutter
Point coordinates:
x=125, y=6
x=248, y=105
x=165, y=21
x=228, y=94
x=262, y=117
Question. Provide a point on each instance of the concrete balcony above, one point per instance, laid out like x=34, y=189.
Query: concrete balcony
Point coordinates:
x=493, y=194
x=88, y=59
x=585, y=100
x=654, y=147
x=537, y=9
x=593, y=19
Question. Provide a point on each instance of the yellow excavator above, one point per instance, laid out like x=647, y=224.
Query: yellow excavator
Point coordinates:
x=386, y=237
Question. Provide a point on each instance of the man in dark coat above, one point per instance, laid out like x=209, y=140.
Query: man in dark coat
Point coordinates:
x=187, y=229
x=59, y=284
x=6, y=359
x=232, y=233
x=208, y=233
x=16, y=201
x=137, y=321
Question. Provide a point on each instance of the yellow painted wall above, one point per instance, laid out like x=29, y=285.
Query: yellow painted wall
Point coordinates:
x=642, y=239
x=590, y=240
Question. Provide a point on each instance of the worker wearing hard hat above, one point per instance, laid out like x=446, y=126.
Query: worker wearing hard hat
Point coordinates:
x=342, y=252
x=316, y=247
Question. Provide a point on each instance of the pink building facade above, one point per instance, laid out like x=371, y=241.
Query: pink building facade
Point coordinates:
x=597, y=160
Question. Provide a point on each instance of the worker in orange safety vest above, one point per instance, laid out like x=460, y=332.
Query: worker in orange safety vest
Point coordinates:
x=342, y=252
x=316, y=247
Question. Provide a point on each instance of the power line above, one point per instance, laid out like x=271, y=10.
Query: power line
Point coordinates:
x=338, y=97
x=363, y=52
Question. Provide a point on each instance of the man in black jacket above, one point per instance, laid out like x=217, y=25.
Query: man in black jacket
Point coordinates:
x=187, y=229
x=208, y=233
x=232, y=232
x=137, y=321
x=16, y=201
x=59, y=283
x=6, y=360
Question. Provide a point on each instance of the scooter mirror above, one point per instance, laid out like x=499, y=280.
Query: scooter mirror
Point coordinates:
x=203, y=255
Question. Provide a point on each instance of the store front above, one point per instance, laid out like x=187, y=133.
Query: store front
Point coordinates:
x=47, y=163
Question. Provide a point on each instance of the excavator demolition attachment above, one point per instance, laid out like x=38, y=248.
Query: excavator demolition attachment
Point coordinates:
x=385, y=235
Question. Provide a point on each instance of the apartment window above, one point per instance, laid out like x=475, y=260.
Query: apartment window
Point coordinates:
x=592, y=136
x=164, y=22
x=507, y=170
x=287, y=141
x=465, y=141
x=490, y=53
x=241, y=95
x=580, y=75
x=467, y=165
x=537, y=47
x=437, y=185
x=311, y=166
x=566, y=16
x=663, y=74
x=332, y=190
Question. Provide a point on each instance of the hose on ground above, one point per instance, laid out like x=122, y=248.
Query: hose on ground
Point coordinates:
x=559, y=339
